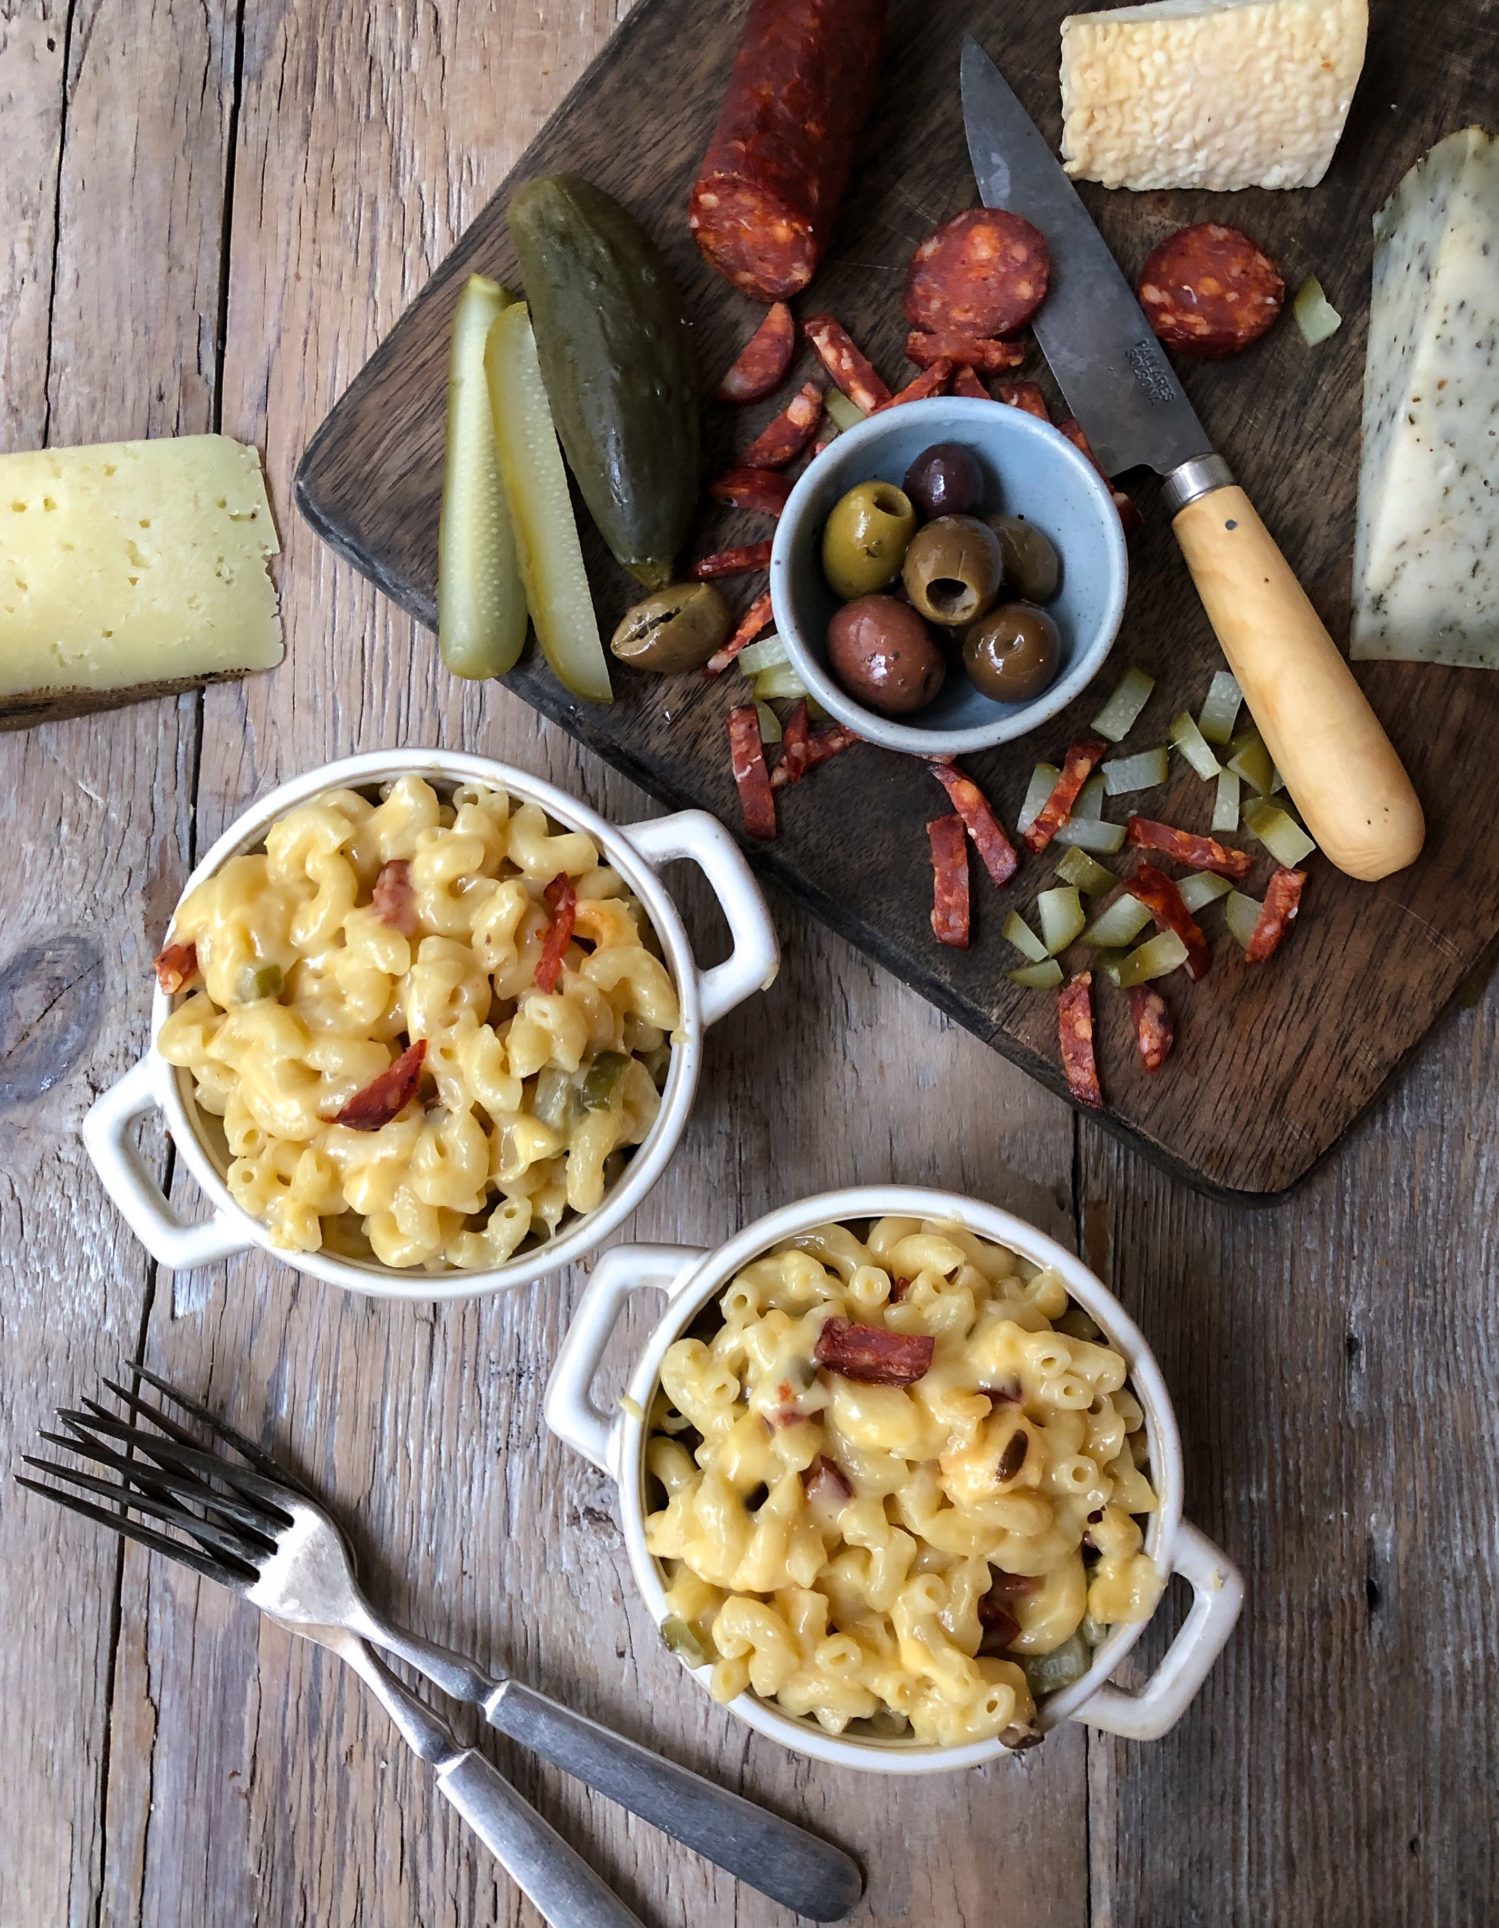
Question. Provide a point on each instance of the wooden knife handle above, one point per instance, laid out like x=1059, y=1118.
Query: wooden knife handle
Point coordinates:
x=1339, y=766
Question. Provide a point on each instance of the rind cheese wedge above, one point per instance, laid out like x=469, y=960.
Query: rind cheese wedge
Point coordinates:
x=1209, y=93
x=131, y=569
x=1426, y=556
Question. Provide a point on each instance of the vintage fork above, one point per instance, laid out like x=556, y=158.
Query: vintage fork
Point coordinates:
x=270, y=1539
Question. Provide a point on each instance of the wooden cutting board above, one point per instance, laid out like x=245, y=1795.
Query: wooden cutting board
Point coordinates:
x=1271, y=1065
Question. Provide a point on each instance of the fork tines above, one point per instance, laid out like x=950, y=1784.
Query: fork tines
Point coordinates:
x=231, y=1513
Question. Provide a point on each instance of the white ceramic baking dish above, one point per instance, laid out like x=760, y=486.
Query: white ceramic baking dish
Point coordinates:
x=691, y=1277
x=636, y=851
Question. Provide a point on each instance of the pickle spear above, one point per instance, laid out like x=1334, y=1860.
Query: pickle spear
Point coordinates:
x=541, y=510
x=481, y=606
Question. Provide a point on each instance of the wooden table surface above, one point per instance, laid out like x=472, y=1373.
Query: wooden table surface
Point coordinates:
x=209, y=214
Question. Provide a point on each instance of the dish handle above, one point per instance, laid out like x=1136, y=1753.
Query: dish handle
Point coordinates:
x=569, y=1407
x=1146, y=1713
x=125, y=1175
x=756, y=957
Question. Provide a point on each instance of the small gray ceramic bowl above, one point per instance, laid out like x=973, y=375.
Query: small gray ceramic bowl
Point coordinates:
x=1030, y=470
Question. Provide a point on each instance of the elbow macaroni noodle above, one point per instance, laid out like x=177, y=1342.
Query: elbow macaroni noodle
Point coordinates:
x=308, y=994
x=939, y=1576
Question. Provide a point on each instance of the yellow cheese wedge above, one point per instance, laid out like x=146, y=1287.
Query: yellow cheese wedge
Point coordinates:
x=130, y=569
x=1209, y=93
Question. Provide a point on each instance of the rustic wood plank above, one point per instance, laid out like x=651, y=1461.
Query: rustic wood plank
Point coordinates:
x=1289, y=419
x=275, y=1791
x=1333, y=1365
x=109, y=325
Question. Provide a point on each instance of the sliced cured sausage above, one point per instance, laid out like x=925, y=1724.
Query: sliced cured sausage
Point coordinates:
x=747, y=760
x=925, y=346
x=1282, y=901
x=1075, y=1031
x=785, y=436
x=1210, y=290
x=780, y=157
x=989, y=839
x=981, y=273
x=1185, y=847
x=931, y=381
x=1081, y=760
x=732, y=562
x=760, y=366
x=1154, y=1032
x=1024, y=395
x=846, y=362
x=761, y=491
x=949, y=841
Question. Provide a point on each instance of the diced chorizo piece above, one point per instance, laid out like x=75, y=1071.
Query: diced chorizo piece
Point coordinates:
x=733, y=562
x=1000, y=1627
x=1210, y=290
x=1277, y=913
x=385, y=1097
x=1163, y=900
x=393, y=898
x=1129, y=511
x=176, y=966
x=760, y=366
x=966, y=382
x=784, y=438
x=949, y=843
x=747, y=760
x=1081, y=760
x=1026, y=395
x=846, y=362
x=1075, y=1030
x=1154, y=1032
x=761, y=491
x=1201, y=853
x=982, y=273
x=999, y=855
x=830, y=741
x=562, y=901
x=872, y=1354
x=898, y=1290
x=804, y=80
x=826, y=1481
x=751, y=624
x=932, y=381
x=925, y=345
x=796, y=745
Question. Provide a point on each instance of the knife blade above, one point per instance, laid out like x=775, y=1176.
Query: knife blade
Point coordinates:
x=1092, y=330
x=1339, y=766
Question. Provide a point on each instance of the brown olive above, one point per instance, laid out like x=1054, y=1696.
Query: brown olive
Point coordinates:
x=953, y=569
x=677, y=629
x=884, y=655
x=1032, y=565
x=1013, y=653
x=945, y=480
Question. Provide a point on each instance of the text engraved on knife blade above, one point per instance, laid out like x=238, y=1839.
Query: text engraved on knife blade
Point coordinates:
x=1157, y=381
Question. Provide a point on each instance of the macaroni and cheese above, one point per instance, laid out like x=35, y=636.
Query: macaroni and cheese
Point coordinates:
x=897, y=1485
x=431, y=1029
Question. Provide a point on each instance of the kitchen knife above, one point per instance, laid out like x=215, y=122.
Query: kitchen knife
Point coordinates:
x=1338, y=764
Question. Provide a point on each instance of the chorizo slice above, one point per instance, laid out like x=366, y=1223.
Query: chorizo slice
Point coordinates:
x=761, y=491
x=176, y=966
x=387, y=1095
x=822, y=745
x=755, y=620
x=846, y=362
x=1154, y=1031
x=984, y=272
x=966, y=382
x=874, y=1355
x=732, y=562
x=1000, y=857
x=1210, y=290
x=978, y=352
x=747, y=760
x=785, y=436
x=1024, y=395
x=782, y=151
x=394, y=899
x=562, y=901
x=1164, y=901
x=949, y=842
x=760, y=366
x=1277, y=914
x=931, y=381
x=1081, y=760
x=1200, y=853
x=1075, y=1031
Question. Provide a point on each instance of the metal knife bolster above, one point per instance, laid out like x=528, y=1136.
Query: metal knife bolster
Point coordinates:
x=1200, y=476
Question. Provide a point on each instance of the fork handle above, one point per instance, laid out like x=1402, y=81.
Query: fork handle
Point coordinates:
x=542, y=1865
x=777, y=1857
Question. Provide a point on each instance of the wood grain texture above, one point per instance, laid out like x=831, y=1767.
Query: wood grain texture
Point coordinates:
x=173, y=1762
x=1307, y=1055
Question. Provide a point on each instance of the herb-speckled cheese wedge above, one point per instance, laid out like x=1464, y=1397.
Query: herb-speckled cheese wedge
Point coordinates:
x=1209, y=93
x=129, y=569
x=1426, y=552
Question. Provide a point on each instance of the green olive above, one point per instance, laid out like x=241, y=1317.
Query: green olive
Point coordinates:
x=1013, y=653
x=1032, y=565
x=953, y=569
x=864, y=540
x=677, y=629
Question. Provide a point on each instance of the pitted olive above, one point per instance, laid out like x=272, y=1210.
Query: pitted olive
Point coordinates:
x=1032, y=566
x=864, y=540
x=677, y=629
x=1013, y=653
x=953, y=569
